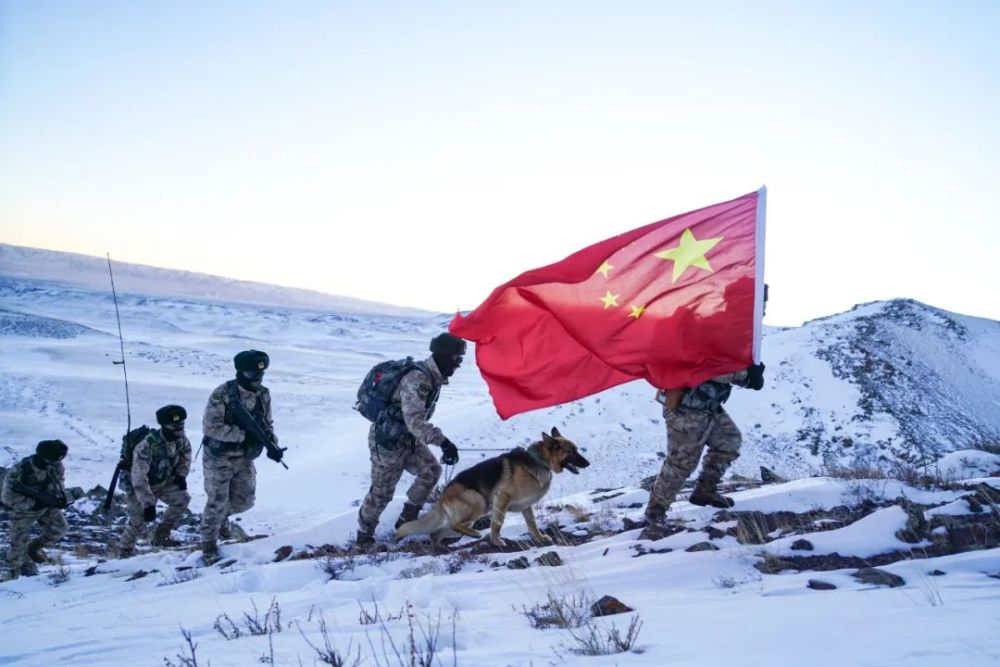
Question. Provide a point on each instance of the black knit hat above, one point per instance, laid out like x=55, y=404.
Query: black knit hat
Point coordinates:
x=447, y=344
x=52, y=450
x=170, y=414
x=251, y=360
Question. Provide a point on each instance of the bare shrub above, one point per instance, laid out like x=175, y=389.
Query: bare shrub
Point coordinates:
x=335, y=568
x=328, y=654
x=253, y=625
x=594, y=638
x=559, y=611
x=184, y=660
x=418, y=649
x=60, y=575
x=368, y=618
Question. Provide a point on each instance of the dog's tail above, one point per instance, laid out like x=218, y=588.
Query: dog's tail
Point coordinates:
x=429, y=523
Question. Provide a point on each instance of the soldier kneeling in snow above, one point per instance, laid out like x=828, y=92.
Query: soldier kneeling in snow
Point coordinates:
x=34, y=492
x=159, y=470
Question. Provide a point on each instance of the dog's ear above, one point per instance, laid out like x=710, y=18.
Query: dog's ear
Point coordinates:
x=556, y=433
x=547, y=438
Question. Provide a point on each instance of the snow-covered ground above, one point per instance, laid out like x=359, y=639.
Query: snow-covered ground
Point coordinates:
x=57, y=380
x=705, y=607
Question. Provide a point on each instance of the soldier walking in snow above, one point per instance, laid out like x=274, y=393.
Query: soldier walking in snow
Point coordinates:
x=230, y=450
x=34, y=491
x=160, y=465
x=697, y=421
x=400, y=440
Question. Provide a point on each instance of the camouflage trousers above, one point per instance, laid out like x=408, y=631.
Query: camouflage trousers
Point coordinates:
x=231, y=484
x=176, y=500
x=689, y=432
x=53, y=526
x=387, y=467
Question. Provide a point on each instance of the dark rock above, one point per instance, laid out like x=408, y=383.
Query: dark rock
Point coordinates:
x=768, y=476
x=139, y=574
x=608, y=606
x=634, y=506
x=974, y=505
x=654, y=532
x=632, y=524
x=820, y=585
x=916, y=524
x=935, y=573
x=647, y=483
x=549, y=559
x=877, y=577
x=702, y=546
x=714, y=533
x=482, y=523
x=643, y=551
x=802, y=545
x=519, y=563
x=772, y=565
x=281, y=553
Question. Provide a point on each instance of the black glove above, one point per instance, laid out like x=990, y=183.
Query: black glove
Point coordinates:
x=181, y=483
x=449, y=453
x=755, y=376
x=276, y=453
x=149, y=514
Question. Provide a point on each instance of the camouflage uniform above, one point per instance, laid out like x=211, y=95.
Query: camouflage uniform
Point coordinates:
x=230, y=475
x=25, y=511
x=696, y=422
x=156, y=462
x=415, y=399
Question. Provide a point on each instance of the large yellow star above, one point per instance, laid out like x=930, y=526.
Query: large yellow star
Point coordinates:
x=604, y=268
x=610, y=299
x=689, y=252
x=637, y=311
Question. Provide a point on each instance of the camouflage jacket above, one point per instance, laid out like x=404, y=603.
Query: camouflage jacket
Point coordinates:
x=407, y=419
x=156, y=460
x=49, y=480
x=711, y=394
x=222, y=436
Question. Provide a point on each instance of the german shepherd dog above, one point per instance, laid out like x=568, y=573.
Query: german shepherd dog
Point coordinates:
x=514, y=481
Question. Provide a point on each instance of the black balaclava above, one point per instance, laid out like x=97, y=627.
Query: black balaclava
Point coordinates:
x=448, y=352
x=49, y=452
x=171, y=420
x=250, y=366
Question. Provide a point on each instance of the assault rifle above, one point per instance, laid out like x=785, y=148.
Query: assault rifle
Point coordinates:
x=263, y=435
x=40, y=496
x=109, y=498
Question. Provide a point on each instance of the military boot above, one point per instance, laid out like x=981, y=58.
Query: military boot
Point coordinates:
x=410, y=513
x=210, y=552
x=705, y=495
x=161, y=537
x=36, y=553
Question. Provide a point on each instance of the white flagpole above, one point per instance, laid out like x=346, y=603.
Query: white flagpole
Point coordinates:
x=758, y=308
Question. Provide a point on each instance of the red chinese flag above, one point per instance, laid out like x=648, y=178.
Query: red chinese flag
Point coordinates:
x=675, y=302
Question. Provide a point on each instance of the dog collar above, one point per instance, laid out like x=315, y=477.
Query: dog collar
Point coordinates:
x=538, y=459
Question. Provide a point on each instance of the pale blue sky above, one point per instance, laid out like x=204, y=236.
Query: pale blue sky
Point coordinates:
x=423, y=153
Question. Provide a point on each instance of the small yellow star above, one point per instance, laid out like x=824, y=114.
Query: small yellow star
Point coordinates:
x=689, y=252
x=604, y=268
x=637, y=311
x=610, y=299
